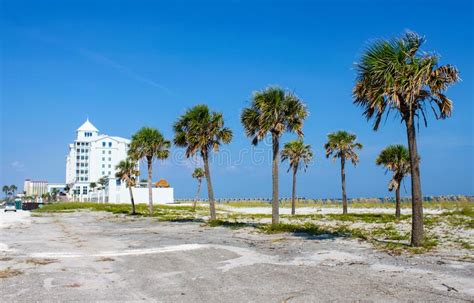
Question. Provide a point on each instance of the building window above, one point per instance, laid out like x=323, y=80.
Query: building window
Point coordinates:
x=87, y=157
x=77, y=171
x=110, y=152
x=103, y=144
x=103, y=165
x=109, y=173
x=110, y=166
x=103, y=158
x=110, y=159
x=84, y=190
x=87, y=143
x=103, y=152
x=118, y=182
x=103, y=173
x=82, y=164
x=78, y=157
x=78, y=150
x=110, y=144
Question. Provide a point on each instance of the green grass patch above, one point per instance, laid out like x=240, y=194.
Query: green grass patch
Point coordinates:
x=177, y=213
x=367, y=218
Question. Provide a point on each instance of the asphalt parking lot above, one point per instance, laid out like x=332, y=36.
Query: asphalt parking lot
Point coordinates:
x=94, y=256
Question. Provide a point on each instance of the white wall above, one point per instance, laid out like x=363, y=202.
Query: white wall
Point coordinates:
x=140, y=195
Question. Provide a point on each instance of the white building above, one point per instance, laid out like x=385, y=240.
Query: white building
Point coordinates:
x=35, y=188
x=91, y=157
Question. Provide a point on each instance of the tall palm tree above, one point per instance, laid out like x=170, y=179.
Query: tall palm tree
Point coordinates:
x=297, y=153
x=127, y=171
x=148, y=143
x=200, y=130
x=343, y=145
x=396, y=75
x=198, y=174
x=273, y=111
x=396, y=159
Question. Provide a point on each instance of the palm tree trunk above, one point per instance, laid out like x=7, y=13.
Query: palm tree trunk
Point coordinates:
x=197, y=195
x=417, y=198
x=150, y=190
x=275, y=202
x=397, y=202
x=343, y=182
x=210, y=191
x=293, y=193
x=131, y=199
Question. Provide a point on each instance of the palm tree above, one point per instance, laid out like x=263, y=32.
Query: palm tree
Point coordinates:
x=397, y=76
x=273, y=111
x=296, y=152
x=396, y=159
x=93, y=185
x=54, y=194
x=149, y=143
x=343, y=145
x=200, y=130
x=198, y=174
x=127, y=171
x=103, y=181
x=12, y=189
x=6, y=190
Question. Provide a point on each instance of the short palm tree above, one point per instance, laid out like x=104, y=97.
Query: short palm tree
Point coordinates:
x=299, y=155
x=200, y=130
x=127, y=171
x=343, y=145
x=103, y=181
x=13, y=189
x=397, y=76
x=93, y=186
x=6, y=190
x=395, y=158
x=148, y=143
x=198, y=174
x=273, y=111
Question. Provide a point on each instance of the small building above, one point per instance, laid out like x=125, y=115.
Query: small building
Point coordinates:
x=56, y=186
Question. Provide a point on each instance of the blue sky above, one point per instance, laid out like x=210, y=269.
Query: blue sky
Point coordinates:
x=126, y=64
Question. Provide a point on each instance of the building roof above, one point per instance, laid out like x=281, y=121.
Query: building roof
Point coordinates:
x=102, y=137
x=87, y=127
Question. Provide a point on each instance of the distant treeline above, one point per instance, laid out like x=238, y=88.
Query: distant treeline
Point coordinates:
x=459, y=198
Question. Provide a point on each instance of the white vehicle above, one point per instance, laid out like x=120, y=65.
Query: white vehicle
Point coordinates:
x=10, y=206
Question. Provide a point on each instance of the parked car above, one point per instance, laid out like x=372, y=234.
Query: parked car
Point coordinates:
x=10, y=206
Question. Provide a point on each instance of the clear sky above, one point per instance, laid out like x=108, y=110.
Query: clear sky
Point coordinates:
x=126, y=64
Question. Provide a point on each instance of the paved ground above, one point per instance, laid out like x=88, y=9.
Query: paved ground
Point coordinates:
x=102, y=257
